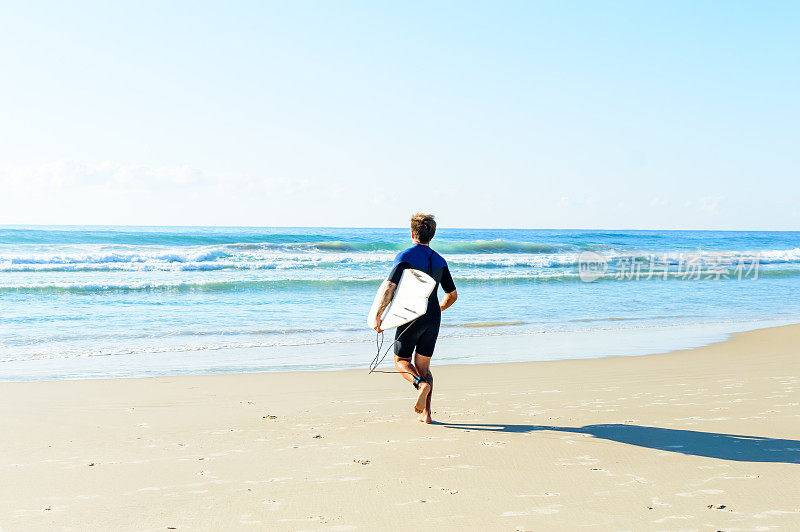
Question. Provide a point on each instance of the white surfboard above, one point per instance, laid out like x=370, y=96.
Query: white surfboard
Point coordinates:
x=410, y=300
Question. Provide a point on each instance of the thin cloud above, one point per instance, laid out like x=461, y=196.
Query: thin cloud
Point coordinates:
x=109, y=176
x=710, y=204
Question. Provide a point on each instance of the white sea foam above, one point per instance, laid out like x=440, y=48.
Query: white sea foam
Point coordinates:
x=144, y=258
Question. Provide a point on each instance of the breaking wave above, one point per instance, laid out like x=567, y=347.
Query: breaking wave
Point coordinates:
x=332, y=254
x=245, y=285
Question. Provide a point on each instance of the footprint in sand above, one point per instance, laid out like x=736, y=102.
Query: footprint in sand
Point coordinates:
x=655, y=501
x=546, y=510
x=700, y=492
x=584, y=460
x=417, y=501
x=669, y=517
x=247, y=519
x=440, y=457
x=449, y=491
x=271, y=504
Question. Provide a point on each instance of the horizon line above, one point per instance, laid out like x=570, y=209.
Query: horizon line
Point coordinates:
x=12, y=226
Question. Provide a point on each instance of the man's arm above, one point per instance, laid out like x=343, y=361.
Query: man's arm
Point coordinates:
x=449, y=287
x=388, y=291
x=449, y=299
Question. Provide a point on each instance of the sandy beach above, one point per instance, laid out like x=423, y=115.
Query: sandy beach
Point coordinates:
x=702, y=439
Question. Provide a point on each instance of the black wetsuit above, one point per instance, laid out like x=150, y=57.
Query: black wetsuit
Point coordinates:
x=422, y=332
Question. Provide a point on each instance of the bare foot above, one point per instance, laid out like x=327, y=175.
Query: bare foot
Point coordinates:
x=422, y=398
x=425, y=417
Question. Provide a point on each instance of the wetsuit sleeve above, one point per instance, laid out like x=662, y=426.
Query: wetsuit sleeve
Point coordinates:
x=397, y=272
x=447, y=281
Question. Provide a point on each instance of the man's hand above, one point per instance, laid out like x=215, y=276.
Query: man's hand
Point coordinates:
x=378, y=321
x=449, y=299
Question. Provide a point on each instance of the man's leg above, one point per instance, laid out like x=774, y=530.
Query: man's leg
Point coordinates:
x=425, y=346
x=406, y=368
x=423, y=364
x=410, y=373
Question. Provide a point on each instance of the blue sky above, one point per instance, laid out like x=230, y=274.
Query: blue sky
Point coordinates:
x=511, y=114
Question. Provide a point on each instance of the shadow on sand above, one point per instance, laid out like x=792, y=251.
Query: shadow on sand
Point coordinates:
x=711, y=444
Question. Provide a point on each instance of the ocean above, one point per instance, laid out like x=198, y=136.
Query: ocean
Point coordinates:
x=84, y=302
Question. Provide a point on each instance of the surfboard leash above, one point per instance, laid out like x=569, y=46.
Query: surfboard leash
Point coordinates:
x=379, y=344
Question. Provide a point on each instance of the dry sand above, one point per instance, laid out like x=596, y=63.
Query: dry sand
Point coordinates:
x=703, y=439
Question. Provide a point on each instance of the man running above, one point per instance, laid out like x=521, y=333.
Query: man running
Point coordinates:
x=419, y=335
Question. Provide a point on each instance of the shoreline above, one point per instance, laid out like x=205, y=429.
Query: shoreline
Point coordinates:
x=534, y=346
x=689, y=439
